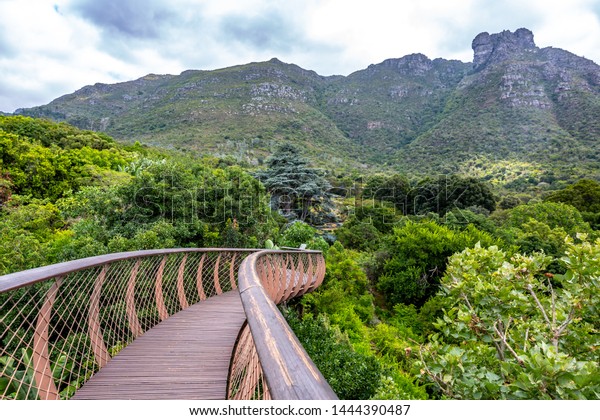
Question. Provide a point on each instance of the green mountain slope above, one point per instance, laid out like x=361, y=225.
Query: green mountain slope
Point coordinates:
x=387, y=105
x=239, y=110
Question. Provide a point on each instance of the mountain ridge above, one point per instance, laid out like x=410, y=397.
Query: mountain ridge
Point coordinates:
x=515, y=100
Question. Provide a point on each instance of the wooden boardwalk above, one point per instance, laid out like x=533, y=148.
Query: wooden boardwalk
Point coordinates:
x=186, y=356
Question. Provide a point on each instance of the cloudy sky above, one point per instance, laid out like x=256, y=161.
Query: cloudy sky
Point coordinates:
x=49, y=48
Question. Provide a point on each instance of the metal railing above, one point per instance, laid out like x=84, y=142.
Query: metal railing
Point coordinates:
x=61, y=324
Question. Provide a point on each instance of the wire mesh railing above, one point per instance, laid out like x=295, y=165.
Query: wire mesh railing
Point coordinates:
x=61, y=324
x=269, y=361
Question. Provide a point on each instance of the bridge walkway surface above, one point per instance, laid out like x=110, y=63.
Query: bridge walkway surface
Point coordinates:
x=185, y=357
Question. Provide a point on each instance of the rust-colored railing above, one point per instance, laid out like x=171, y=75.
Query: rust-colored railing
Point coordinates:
x=61, y=324
x=269, y=360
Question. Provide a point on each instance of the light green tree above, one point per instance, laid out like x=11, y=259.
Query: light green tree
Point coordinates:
x=512, y=330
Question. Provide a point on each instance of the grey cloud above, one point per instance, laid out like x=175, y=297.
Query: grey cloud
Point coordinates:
x=142, y=19
x=270, y=31
x=11, y=94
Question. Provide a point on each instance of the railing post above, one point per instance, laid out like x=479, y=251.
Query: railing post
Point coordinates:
x=199, y=283
x=46, y=388
x=158, y=292
x=134, y=322
x=232, y=272
x=216, y=281
x=180, y=286
x=94, y=328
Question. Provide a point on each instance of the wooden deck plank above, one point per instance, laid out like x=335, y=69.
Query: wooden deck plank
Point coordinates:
x=184, y=357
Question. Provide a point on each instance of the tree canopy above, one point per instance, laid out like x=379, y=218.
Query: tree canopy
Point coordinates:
x=295, y=187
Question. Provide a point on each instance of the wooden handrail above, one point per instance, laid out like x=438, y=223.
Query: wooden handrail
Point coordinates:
x=289, y=372
x=36, y=275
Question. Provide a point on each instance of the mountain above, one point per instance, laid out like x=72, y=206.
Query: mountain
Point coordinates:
x=240, y=110
x=519, y=103
x=516, y=107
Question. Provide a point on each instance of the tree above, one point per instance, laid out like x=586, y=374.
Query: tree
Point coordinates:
x=449, y=193
x=512, y=330
x=351, y=375
x=540, y=226
x=391, y=188
x=584, y=195
x=295, y=187
x=417, y=256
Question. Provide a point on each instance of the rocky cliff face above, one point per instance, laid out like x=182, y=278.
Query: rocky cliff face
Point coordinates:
x=498, y=47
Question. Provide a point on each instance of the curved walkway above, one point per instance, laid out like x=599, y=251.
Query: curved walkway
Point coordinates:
x=185, y=357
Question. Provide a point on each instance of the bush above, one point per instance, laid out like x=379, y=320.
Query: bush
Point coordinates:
x=418, y=252
x=508, y=331
x=351, y=375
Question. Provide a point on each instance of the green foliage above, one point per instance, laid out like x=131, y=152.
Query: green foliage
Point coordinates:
x=296, y=234
x=13, y=376
x=417, y=253
x=552, y=214
x=56, y=164
x=584, y=195
x=397, y=385
x=29, y=232
x=509, y=332
x=344, y=295
x=17, y=379
x=364, y=228
x=393, y=188
x=69, y=194
x=359, y=235
x=430, y=195
x=540, y=226
x=49, y=133
x=197, y=202
x=460, y=219
x=450, y=193
x=352, y=376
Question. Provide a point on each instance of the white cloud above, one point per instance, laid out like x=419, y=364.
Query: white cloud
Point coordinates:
x=52, y=47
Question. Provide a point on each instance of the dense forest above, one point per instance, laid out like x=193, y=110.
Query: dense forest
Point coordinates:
x=437, y=287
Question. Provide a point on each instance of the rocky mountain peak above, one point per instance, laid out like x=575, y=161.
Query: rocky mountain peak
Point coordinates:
x=498, y=47
x=416, y=64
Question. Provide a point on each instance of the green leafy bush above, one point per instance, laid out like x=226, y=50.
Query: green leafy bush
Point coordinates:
x=352, y=376
x=417, y=255
x=512, y=330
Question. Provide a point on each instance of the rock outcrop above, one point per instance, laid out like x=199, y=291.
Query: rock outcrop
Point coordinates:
x=497, y=47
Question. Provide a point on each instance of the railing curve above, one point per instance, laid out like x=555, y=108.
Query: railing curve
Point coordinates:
x=269, y=362
x=62, y=323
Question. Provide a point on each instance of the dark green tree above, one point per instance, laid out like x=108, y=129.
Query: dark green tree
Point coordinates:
x=295, y=187
x=448, y=193
x=391, y=188
x=417, y=253
x=584, y=195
